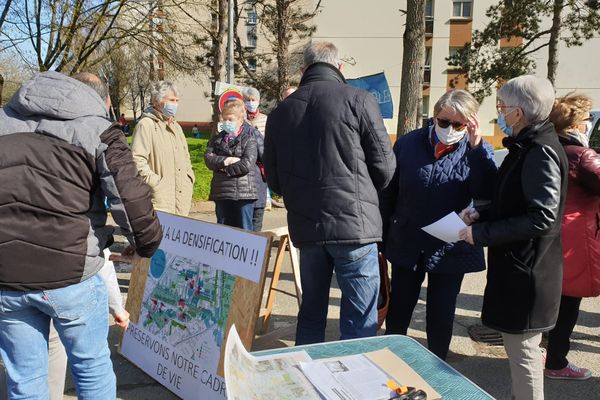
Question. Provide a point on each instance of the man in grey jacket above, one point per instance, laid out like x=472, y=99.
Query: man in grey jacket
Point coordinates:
x=328, y=153
x=60, y=157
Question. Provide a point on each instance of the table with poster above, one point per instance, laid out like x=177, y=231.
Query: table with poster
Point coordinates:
x=445, y=380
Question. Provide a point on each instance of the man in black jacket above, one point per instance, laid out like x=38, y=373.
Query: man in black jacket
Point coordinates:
x=60, y=156
x=328, y=153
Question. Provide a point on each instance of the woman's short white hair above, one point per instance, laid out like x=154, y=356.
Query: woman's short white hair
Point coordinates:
x=458, y=100
x=321, y=52
x=250, y=92
x=532, y=94
x=158, y=91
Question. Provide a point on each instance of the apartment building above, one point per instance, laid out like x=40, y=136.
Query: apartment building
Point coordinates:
x=369, y=36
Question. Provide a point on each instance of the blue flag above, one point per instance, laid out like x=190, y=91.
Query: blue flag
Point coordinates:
x=377, y=85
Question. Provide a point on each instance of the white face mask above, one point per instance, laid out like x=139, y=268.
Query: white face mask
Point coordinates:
x=449, y=135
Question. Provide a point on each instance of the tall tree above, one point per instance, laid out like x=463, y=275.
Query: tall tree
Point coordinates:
x=534, y=25
x=284, y=25
x=413, y=59
x=2, y=19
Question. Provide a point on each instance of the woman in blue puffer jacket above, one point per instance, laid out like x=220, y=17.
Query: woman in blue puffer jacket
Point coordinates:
x=441, y=168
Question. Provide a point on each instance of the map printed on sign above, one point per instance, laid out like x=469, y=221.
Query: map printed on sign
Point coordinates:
x=186, y=305
x=185, y=310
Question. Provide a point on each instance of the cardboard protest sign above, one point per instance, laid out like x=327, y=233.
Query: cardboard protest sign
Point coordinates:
x=203, y=278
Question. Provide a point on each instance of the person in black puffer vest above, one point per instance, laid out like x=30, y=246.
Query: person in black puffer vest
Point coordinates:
x=522, y=229
x=231, y=155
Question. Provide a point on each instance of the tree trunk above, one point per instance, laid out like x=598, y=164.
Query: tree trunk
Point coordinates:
x=283, y=57
x=554, y=37
x=412, y=66
x=219, y=51
x=1, y=88
x=4, y=13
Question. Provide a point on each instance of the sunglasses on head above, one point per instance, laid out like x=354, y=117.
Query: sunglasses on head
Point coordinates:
x=444, y=123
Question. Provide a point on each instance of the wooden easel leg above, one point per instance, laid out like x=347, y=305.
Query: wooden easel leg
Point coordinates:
x=283, y=241
x=296, y=270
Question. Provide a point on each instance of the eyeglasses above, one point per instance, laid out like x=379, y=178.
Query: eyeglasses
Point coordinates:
x=500, y=107
x=444, y=123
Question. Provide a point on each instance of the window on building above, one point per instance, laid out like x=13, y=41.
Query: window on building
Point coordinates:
x=427, y=62
x=452, y=52
x=251, y=18
x=429, y=17
x=427, y=66
x=252, y=64
x=462, y=8
x=251, y=36
x=425, y=110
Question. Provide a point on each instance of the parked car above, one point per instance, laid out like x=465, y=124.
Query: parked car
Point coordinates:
x=595, y=135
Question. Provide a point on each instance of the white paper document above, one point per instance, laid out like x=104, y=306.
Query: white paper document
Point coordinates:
x=264, y=378
x=447, y=228
x=348, y=378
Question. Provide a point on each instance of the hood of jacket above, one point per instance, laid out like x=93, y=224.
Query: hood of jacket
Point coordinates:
x=56, y=105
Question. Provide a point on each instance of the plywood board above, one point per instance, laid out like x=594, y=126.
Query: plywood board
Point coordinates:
x=204, y=278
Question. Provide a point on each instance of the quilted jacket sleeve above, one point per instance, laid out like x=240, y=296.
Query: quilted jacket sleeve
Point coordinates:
x=376, y=144
x=248, y=159
x=482, y=172
x=213, y=161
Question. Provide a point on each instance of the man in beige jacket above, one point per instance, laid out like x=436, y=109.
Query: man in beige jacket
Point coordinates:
x=161, y=153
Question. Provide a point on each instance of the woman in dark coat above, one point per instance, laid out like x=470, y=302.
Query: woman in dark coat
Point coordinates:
x=440, y=169
x=522, y=230
x=580, y=226
x=231, y=155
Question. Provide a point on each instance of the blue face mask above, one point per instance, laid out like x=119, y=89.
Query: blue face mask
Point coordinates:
x=229, y=127
x=507, y=130
x=251, y=106
x=170, y=109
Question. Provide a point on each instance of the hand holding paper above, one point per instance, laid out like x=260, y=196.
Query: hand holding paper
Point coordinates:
x=466, y=234
x=446, y=228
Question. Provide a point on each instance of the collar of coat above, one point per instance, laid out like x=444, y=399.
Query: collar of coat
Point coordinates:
x=524, y=137
x=322, y=72
x=571, y=139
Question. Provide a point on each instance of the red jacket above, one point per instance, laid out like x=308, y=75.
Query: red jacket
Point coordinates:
x=581, y=222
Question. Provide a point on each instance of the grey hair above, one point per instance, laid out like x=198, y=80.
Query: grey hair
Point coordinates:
x=158, y=90
x=94, y=82
x=321, y=52
x=532, y=94
x=250, y=92
x=460, y=101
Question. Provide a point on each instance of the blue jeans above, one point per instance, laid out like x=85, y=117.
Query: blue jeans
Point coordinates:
x=236, y=213
x=80, y=315
x=357, y=271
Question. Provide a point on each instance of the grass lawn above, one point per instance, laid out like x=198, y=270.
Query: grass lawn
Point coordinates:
x=197, y=147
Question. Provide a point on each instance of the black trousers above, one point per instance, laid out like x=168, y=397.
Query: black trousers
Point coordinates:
x=257, y=219
x=559, y=339
x=442, y=290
